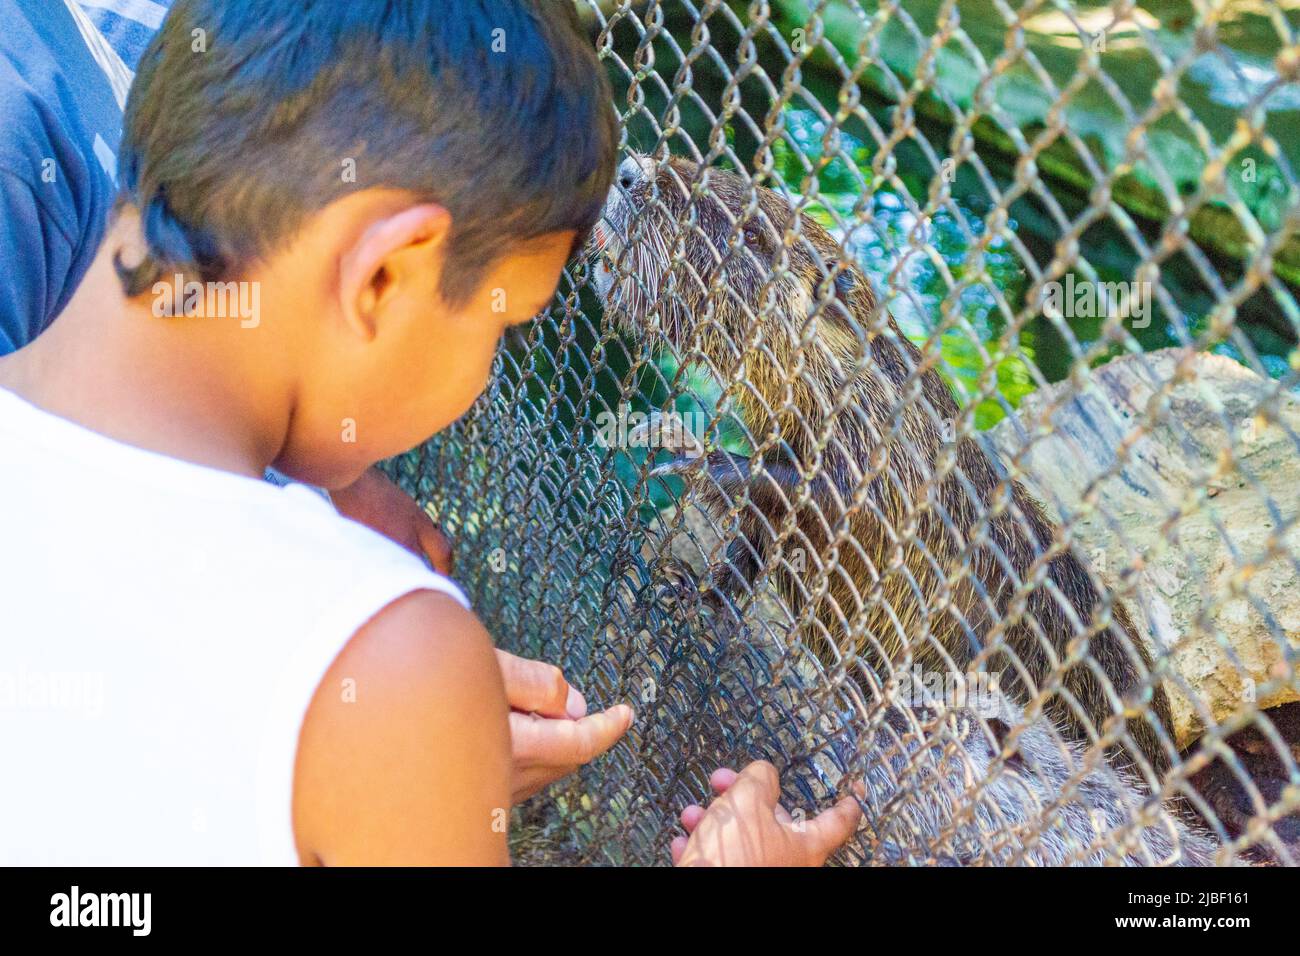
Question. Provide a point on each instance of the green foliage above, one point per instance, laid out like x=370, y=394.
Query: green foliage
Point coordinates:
x=924, y=269
x=1214, y=89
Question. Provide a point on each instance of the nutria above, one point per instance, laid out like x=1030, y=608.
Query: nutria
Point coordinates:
x=848, y=401
x=946, y=790
x=974, y=784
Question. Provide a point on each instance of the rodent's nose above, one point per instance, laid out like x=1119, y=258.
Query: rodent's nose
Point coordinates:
x=629, y=171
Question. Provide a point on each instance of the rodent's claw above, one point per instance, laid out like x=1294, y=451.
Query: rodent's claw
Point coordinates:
x=668, y=433
x=678, y=465
x=724, y=467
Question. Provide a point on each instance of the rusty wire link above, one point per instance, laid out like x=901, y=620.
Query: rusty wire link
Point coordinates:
x=779, y=595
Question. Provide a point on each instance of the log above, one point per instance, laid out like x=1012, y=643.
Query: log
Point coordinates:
x=1196, y=528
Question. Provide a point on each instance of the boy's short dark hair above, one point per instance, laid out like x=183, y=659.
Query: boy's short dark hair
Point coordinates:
x=246, y=117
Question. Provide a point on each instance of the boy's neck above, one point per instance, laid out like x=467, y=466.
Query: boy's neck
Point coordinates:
x=207, y=390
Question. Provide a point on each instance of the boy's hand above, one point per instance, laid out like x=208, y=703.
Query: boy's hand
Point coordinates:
x=747, y=826
x=550, y=734
x=381, y=506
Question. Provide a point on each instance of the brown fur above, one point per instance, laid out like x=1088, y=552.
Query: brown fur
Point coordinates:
x=852, y=402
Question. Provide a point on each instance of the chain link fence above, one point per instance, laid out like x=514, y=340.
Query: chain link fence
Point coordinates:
x=925, y=417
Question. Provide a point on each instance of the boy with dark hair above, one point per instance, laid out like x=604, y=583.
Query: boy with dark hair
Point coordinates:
x=330, y=213
x=60, y=90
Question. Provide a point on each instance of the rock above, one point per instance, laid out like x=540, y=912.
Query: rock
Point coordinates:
x=1187, y=527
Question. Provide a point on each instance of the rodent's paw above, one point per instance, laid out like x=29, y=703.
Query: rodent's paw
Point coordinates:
x=665, y=431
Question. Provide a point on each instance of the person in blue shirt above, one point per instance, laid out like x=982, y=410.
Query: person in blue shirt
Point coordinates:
x=128, y=25
x=62, y=121
x=64, y=72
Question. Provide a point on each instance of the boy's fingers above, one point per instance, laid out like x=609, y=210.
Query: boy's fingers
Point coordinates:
x=435, y=545
x=376, y=502
x=678, y=847
x=722, y=779
x=538, y=687
x=692, y=816
x=830, y=828
x=598, y=732
x=570, y=743
x=762, y=776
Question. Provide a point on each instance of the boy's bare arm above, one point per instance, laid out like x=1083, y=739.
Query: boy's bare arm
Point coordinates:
x=374, y=501
x=416, y=769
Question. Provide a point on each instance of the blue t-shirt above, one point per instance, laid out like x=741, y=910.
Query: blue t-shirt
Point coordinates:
x=128, y=25
x=60, y=125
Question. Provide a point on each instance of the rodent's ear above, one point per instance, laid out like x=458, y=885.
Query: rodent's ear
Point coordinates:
x=853, y=296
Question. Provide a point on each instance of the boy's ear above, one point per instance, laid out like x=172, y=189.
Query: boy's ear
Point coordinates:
x=370, y=268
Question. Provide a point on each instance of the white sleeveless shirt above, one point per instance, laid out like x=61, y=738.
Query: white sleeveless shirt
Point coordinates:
x=163, y=628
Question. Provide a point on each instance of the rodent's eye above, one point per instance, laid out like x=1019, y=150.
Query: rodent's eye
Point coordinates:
x=629, y=170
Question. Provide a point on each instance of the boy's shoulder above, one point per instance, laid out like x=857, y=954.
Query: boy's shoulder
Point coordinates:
x=413, y=764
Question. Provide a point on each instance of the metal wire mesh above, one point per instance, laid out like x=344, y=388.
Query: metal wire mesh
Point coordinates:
x=831, y=567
